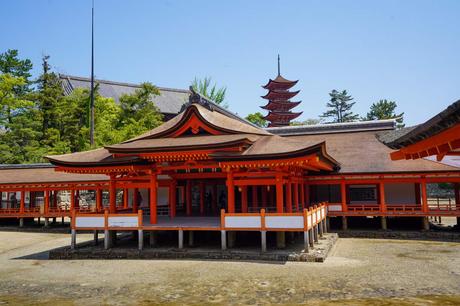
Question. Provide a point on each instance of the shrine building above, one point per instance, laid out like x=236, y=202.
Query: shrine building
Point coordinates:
x=207, y=169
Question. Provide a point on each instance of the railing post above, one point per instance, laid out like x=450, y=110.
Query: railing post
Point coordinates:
x=223, y=233
x=107, y=239
x=305, y=230
x=73, y=241
x=424, y=197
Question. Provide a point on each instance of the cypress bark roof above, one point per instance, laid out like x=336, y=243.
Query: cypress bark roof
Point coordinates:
x=169, y=101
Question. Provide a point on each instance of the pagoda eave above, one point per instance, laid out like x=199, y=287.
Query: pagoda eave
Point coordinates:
x=274, y=105
x=280, y=95
x=277, y=116
x=271, y=85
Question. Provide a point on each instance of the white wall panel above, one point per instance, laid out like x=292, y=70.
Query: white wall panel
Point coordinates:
x=284, y=221
x=123, y=221
x=242, y=222
x=89, y=222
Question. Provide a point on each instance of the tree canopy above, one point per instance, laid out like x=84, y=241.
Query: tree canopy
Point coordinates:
x=215, y=94
x=340, y=105
x=37, y=119
x=257, y=118
x=385, y=109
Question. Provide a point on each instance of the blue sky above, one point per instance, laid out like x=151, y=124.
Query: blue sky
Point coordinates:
x=407, y=51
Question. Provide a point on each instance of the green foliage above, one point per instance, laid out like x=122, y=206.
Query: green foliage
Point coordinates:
x=385, y=109
x=203, y=87
x=340, y=106
x=309, y=121
x=257, y=118
x=138, y=113
x=12, y=65
x=43, y=121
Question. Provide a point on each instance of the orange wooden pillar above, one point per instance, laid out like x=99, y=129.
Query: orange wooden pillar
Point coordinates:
x=153, y=198
x=279, y=194
x=112, y=195
x=99, y=199
x=172, y=197
x=135, y=199
x=383, y=205
x=230, y=192
x=254, y=197
x=47, y=201
x=22, y=204
x=343, y=193
x=244, y=199
x=202, y=198
x=424, y=197
x=72, y=200
x=188, y=198
x=125, y=198
x=296, y=196
x=289, y=197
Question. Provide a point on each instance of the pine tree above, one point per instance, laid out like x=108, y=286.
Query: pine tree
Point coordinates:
x=385, y=109
x=257, y=118
x=340, y=106
x=215, y=94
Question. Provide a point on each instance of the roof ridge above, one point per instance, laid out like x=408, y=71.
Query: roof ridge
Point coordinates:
x=79, y=78
x=331, y=128
x=196, y=97
x=26, y=166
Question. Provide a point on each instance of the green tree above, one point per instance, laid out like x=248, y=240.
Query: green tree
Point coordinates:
x=309, y=121
x=138, y=113
x=340, y=105
x=384, y=109
x=215, y=94
x=12, y=65
x=19, y=135
x=257, y=118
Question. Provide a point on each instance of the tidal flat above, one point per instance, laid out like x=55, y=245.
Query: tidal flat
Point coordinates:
x=357, y=272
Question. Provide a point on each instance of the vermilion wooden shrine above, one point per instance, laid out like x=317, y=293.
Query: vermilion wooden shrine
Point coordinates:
x=208, y=169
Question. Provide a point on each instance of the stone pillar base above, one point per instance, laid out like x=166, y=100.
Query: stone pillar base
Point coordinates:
x=344, y=223
x=280, y=240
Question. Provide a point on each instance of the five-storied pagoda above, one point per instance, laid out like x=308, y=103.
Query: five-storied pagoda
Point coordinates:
x=279, y=105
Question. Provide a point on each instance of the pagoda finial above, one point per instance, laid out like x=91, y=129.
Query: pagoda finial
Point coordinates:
x=279, y=73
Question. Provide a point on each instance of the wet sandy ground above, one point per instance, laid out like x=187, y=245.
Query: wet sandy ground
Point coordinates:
x=357, y=272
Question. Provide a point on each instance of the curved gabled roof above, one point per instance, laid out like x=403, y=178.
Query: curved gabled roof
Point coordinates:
x=214, y=119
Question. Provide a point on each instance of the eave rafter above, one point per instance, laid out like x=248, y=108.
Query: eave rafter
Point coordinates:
x=102, y=170
x=440, y=145
x=310, y=162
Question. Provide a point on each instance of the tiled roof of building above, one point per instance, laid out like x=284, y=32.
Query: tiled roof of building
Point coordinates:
x=362, y=152
x=42, y=173
x=170, y=100
x=346, y=127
